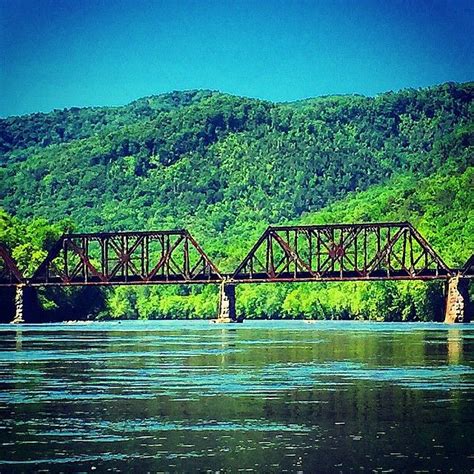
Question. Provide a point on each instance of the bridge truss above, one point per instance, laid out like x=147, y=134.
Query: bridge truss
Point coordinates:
x=126, y=258
x=338, y=252
x=330, y=252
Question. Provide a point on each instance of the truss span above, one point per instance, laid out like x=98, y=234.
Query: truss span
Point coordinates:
x=339, y=252
x=126, y=258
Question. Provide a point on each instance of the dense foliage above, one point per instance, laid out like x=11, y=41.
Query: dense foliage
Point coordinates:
x=225, y=167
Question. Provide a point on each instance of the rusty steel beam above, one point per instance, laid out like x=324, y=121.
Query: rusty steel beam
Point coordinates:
x=117, y=258
x=9, y=273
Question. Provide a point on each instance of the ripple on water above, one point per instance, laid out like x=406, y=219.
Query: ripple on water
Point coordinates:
x=143, y=391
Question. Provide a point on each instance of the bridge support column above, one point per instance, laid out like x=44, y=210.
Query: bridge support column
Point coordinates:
x=25, y=299
x=226, y=312
x=458, y=306
x=19, y=305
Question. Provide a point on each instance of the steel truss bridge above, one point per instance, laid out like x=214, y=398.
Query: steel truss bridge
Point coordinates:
x=333, y=252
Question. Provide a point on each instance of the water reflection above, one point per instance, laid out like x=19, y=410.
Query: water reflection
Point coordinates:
x=455, y=346
x=227, y=343
x=264, y=396
x=18, y=339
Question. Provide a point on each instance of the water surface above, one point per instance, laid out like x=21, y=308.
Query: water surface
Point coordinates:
x=262, y=396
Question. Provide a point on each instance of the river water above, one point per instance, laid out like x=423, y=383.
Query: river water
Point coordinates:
x=261, y=396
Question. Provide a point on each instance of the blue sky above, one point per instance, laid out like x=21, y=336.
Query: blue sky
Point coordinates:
x=63, y=53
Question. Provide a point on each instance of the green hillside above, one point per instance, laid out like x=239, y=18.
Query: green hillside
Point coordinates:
x=225, y=167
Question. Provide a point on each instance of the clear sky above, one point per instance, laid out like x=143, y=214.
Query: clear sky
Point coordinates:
x=63, y=53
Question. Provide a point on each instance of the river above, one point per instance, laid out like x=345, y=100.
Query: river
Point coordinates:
x=266, y=396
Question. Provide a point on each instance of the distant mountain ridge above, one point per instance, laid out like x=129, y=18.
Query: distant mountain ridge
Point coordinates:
x=61, y=125
x=185, y=154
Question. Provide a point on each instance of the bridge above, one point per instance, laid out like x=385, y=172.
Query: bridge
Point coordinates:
x=310, y=253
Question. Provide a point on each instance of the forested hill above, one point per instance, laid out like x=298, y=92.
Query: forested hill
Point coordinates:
x=226, y=166
x=172, y=158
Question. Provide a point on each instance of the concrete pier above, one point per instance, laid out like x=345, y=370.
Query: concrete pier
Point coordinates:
x=18, y=317
x=458, y=306
x=226, y=312
x=26, y=305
